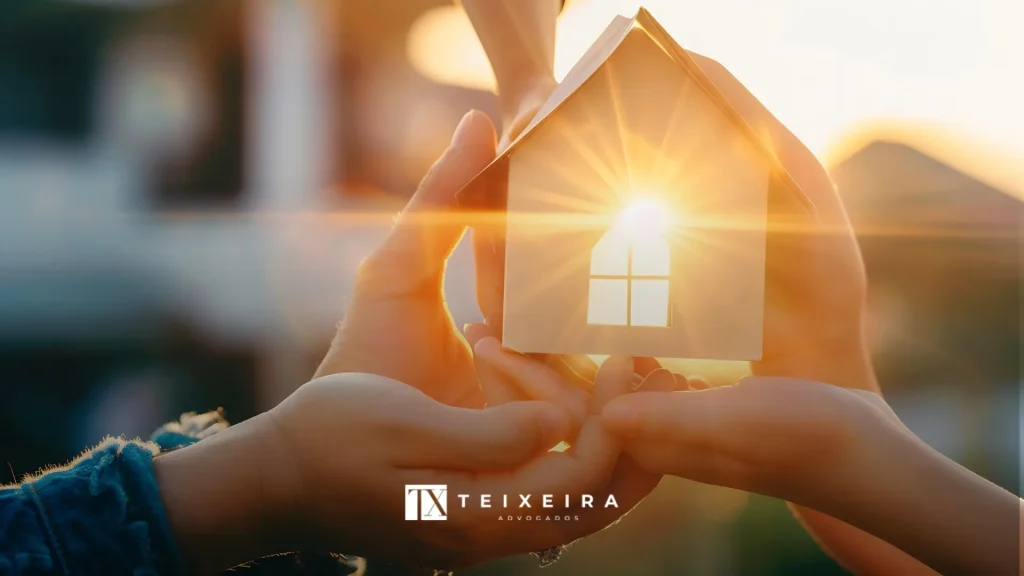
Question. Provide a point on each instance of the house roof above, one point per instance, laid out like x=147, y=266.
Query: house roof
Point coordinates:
x=598, y=54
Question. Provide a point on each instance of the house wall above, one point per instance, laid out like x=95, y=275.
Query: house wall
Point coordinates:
x=571, y=176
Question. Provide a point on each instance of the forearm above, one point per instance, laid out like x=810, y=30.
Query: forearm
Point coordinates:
x=519, y=39
x=941, y=513
x=856, y=550
x=925, y=510
x=845, y=364
x=223, y=502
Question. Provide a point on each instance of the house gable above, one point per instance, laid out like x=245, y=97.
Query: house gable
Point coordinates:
x=598, y=54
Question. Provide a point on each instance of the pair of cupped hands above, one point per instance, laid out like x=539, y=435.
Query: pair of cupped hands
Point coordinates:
x=404, y=397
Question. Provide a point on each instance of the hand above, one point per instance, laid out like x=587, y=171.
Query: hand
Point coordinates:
x=523, y=108
x=815, y=283
x=397, y=324
x=837, y=451
x=519, y=39
x=327, y=469
x=511, y=377
x=815, y=289
x=792, y=439
x=351, y=493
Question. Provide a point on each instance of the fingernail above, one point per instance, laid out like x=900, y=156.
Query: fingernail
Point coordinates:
x=464, y=128
x=620, y=417
x=554, y=424
x=488, y=348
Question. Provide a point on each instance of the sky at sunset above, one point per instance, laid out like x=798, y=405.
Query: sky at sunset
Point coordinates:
x=945, y=75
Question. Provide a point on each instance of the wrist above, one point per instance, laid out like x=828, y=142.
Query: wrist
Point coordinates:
x=285, y=515
x=221, y=500
x=844, y=362
x=872, y=442
x=519, y=40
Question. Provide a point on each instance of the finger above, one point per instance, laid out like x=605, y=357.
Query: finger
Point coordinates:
x=661, y=380
x=630, y=483
x=644, y=366
x=499, y=438
x=593, y=456
x=679, y=416
x=697, y=383
x=726, y=417
x=614, y=378
x=535, y=380
x=489, y=259
x=488, y=222
x=496, y=387
x=589, y=464
x=576, y=369
x=476, y=332
x=584, y=469
x=700, y=464
x=429, y=227
x=582, y=366
x=682, y=384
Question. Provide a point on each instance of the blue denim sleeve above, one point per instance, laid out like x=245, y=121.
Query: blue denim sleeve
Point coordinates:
x=101, y=514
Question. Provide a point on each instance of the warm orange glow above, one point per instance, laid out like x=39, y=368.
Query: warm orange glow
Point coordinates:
x=825, y=69
x=630, y=268
x=443, y=47
x=643, y=218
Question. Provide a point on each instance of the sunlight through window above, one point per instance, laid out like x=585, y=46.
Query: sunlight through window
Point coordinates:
x=629, y=269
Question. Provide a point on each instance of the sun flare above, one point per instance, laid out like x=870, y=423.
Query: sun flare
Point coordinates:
x=643, y=218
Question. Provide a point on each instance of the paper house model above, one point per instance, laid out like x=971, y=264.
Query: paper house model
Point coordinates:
x=636, y=210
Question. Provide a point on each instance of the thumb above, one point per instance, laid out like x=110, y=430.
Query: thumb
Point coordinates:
x=427, y=230
x=649, y=415
x=499, y=438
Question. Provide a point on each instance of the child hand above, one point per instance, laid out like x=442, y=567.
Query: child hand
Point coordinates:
x=794, y=439
x=837, y=451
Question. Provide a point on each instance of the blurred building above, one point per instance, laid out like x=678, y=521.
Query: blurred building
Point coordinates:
x=942, y=252
x=185, y=191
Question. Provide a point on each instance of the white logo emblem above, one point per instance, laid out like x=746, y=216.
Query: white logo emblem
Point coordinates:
x=426, y=502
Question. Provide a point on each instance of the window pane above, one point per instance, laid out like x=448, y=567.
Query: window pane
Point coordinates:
x=610, y=255
x=651, y=258
x=607, y=303
x=649, y=303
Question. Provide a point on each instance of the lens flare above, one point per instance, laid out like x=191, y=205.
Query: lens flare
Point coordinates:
x=643, y=218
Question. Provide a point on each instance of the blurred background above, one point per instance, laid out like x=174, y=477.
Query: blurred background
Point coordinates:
x=186, y=187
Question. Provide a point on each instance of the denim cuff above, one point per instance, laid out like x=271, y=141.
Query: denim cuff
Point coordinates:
x=102, y=513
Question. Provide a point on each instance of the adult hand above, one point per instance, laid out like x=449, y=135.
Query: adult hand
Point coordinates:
x=815, y=284
x=519, y=39
x=328, y=469
x=815, y=291
x=397, y=323
x=525, y=108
